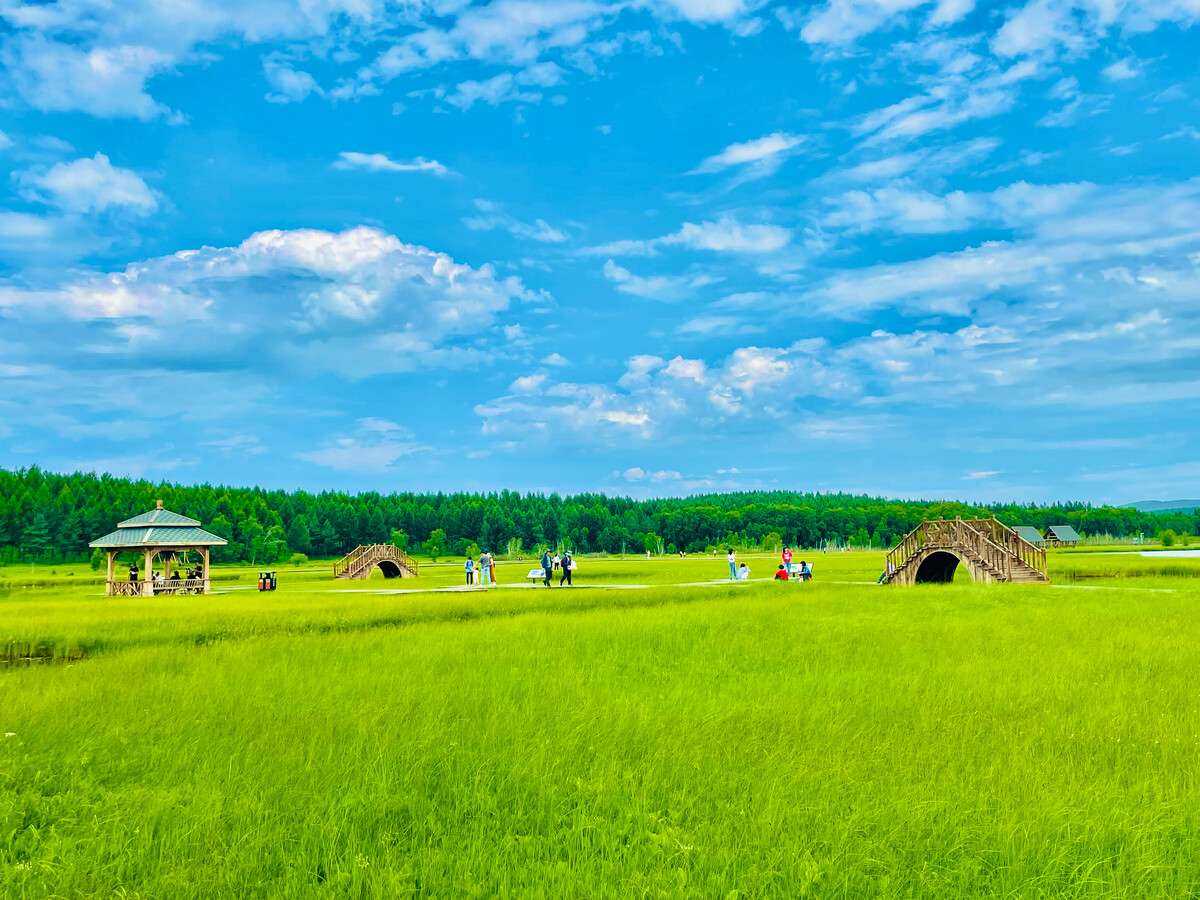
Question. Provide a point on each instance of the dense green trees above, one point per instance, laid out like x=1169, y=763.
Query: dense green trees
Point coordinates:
x=54, y=516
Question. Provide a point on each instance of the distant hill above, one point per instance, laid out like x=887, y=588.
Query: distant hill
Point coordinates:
x=1165, y=505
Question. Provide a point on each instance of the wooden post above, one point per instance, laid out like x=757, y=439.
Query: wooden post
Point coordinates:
x=148, y=575
x=108, y=585
x=207, y=573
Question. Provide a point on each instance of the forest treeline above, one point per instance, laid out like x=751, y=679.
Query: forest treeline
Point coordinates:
x=51, y=516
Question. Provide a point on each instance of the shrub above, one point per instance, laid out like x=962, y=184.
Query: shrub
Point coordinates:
x=298, y=559
x=1167, y=537
x=98, y=559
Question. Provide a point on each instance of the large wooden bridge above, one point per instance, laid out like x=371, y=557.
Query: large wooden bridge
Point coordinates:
x=989, y=549
x=391, y=560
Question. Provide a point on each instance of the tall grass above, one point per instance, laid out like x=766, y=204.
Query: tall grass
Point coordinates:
x=754, y=741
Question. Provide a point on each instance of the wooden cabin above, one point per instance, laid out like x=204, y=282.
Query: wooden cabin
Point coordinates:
x=1061, y=536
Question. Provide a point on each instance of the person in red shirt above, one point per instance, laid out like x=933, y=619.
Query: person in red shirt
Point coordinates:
x=787, y=558
x=782, y=573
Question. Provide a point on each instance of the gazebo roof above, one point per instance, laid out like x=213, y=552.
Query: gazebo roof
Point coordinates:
x=158, y=516
x=1029, y=533
x=159, y=528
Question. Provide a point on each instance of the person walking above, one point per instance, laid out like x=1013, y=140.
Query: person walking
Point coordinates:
x=567, y=565
x=547, y=567
x=470, y=568
x=557, y=562
x=732, y=559
x=492, y=568
x=484, y=570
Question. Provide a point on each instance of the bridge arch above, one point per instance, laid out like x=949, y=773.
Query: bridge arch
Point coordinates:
x=938, y=567
x=389, y=569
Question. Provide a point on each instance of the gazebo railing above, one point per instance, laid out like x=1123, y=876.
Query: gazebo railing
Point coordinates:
x=150, y=588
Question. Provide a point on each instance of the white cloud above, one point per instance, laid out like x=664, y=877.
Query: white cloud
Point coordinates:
x=922, y=212
x=1121, y=70
x=668, y=288
x=840, y=22
x=527, y=384
x=729, y=235
x=5, y=141
x=762, y=156
x=89, y=185
x=378, y=162
x=507, y=87
x=373, y=447
x=726, y=235
x=1067, y=228
x=491, y=218
x=289, y=85
x=107, y=81
x=355, y=303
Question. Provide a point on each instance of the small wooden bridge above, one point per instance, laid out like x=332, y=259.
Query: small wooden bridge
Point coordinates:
x=391, y=560
x=989, y=549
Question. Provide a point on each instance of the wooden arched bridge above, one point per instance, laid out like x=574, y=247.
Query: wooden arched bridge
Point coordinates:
x=391, y=560
x=989, y=549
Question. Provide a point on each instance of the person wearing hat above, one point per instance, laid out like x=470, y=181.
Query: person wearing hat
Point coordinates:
x=567, y=565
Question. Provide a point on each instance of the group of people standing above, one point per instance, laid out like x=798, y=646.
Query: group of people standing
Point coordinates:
x=564, y=563
x=486, y=567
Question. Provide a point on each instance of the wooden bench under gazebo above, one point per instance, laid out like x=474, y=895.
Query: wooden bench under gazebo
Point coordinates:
x=164, y=536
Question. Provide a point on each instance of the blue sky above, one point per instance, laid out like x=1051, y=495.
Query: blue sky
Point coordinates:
x=651, y=247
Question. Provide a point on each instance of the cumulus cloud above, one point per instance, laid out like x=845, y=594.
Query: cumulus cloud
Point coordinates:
x=355, y=303
x=379, y=162
x=89, y=185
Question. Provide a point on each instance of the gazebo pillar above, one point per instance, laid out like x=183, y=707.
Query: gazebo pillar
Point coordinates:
x=206, y=551
x=108, y=584
x=148, y=575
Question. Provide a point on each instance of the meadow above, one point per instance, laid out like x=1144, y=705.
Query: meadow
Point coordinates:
x=674, y=739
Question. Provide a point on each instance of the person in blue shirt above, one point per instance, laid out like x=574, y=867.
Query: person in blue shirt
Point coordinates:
x=547, y=567
x=470, y=568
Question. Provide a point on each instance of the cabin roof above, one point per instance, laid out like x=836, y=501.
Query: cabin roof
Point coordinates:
x=1062, y=533
x=1030, y=533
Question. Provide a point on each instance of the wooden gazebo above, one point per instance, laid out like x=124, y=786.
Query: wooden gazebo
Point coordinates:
x=158, y=535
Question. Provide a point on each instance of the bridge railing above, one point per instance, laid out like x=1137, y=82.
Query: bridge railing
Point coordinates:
x=1028, y=553
x=370, y=554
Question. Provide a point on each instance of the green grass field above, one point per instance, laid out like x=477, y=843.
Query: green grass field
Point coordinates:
x=829, y=739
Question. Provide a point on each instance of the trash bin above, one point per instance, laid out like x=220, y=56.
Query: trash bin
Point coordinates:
x=266, y=581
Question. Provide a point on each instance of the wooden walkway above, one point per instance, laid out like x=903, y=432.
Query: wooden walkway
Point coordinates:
x=392, y=561
x=989, y=549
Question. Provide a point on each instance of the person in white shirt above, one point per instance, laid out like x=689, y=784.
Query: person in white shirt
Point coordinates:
x=743, y=573
x=732, y=557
